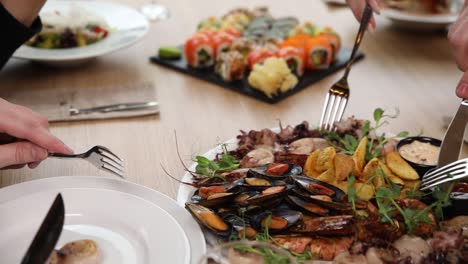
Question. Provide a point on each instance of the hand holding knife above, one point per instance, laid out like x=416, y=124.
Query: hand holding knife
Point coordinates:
x=48, y=234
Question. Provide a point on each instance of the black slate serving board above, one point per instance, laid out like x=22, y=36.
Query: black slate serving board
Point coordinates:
x=243, y=87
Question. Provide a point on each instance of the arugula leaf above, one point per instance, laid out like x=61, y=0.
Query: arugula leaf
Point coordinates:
x=213, y=168
x=378, y=113
x=366, y=127
x=442, y=200
x=402, y=134
x=352, y=195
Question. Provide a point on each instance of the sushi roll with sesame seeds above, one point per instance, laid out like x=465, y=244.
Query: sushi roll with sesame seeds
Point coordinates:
x=230, y=66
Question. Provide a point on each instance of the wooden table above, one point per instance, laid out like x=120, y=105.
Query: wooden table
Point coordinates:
x=414, y=72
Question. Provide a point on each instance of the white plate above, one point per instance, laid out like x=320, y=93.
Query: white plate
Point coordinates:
x=419, y=21
x=129, y=222
x=127, y=26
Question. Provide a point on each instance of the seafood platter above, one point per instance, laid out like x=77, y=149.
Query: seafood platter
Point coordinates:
x=347, y=196
x=256, y=54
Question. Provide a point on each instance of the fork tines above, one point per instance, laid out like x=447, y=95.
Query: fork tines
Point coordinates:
x=110, y=161
x=335, y=105
x=450, y=172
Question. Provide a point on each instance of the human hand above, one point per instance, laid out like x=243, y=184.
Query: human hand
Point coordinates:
x=25, y=11
x=458, y=37
x=34, y=139
x=357, y=6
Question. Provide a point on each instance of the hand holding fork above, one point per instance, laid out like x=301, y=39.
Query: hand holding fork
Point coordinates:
x=337, y=96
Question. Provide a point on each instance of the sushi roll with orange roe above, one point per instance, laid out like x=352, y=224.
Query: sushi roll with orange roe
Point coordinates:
x=319, y=53
x=294, y=57
x=333, y=38
x=200, y=51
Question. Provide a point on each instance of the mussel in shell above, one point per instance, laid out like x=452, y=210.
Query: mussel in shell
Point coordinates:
x=274, y=171
x=316, y=187
x=276, y=220
x=340, y=225
x=257, y=182
x=268, y=195
x=306, y=206
x=322, y=200
x=209, y=219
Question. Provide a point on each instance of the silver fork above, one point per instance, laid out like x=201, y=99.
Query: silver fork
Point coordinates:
x=101, y=157
x=337, y=96
x=451, y=172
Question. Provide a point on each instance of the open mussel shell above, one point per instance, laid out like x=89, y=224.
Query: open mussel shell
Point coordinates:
x=340, y=225
x=307, y=206
x=316, y=187
x=322, y=200
x=217, y=199
x=209, y=219
x=258, y=184
x=280, y=219
x=274, y=171
x=268, y=195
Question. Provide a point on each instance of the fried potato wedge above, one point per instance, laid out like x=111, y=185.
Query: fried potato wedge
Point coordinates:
x=359, y=156
x=342, y=185
x=364, y=191
x=309, y=166
x=328, y=176
x=395, y=179
x=344, y=166
x=370, y=170
x=412, y=185
x=325, y=159
x=400, y=167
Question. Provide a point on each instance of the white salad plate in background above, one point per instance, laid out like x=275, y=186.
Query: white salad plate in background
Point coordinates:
x=130, y=223
x=126, y=26
x=423, y=22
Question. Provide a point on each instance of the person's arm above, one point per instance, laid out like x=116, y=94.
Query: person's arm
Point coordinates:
x=357, y=6
x=458, y=37
x=28, y=135
x=18, y=22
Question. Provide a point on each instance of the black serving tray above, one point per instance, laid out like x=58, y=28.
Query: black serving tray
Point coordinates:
x=243, y=87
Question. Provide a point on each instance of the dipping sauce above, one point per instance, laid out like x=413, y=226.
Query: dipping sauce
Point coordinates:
x=420, y=153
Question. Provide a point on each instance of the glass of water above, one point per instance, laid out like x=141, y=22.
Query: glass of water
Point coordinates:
x=154, y=11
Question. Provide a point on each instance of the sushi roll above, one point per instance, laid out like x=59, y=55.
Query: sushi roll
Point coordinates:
x=319, y=54
x=199, y=51
x=231, y=31
x=295, y=59
x=243, y=45
x=258, y=56
x=222, y=42
x=230, y=66
x=333, y=38
x=210, y=23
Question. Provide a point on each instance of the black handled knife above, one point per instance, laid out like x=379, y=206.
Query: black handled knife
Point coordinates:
x=48, y=234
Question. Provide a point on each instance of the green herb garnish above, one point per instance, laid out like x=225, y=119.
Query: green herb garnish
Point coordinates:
x=213, y=168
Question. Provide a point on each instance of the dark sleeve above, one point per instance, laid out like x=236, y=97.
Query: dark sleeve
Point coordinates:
x=14, y=34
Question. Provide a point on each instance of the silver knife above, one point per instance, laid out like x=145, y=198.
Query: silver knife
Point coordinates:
x=48, y=234
x=453, y=139
x=114, y=107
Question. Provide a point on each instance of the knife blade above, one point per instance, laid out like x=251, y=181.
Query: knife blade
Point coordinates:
x=114, y=107
x=453, y=139
x=48, y=234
